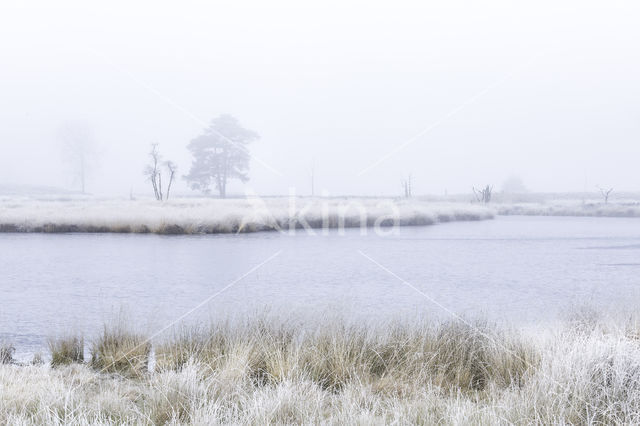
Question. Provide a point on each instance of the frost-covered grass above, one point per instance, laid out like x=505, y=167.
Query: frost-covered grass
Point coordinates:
x=121, y=351
x=571, y=208
x=6, y=352
x=268, y=371
x=202, y=215
x=66, y=350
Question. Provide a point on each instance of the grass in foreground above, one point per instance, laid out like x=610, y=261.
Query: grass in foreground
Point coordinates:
x=66, y=350
x=120, y=351
x=274, y=371
x=6, y=353
x=452, y=356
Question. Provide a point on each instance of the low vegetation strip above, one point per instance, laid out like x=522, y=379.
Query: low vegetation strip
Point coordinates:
x=209, y=216
x=576, y=208
x=275, y=371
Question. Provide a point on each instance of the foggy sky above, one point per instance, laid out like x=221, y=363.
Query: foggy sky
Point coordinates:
x=547, y=91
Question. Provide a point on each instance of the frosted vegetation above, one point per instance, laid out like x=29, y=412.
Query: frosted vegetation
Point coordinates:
x=206, y=215
x=278, y=371
x=624, y=204
x=571, y=208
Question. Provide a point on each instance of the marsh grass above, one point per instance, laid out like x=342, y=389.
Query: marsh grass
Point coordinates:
x=578, y=208
x=274, y=371
x=66, y=350
x=118, y=350
x=212, y=216
x=6, y=353
x=37, y=359
x=453, y=356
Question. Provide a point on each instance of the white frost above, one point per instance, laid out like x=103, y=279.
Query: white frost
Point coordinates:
x=205, y=215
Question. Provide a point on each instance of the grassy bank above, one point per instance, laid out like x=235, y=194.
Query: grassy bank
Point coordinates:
x=207, y=216
x=280, y=371
x=571, y=208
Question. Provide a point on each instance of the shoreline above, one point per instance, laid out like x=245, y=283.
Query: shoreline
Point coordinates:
x=268, y=370
x=212, y=216
x=569, y=209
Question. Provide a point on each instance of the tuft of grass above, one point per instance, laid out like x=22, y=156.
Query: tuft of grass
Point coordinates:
x=120, y=351
x=66, y=350
x=6, y=353
x=456, y=355
x=260, y=350
x=471, y=356
x=37, y=359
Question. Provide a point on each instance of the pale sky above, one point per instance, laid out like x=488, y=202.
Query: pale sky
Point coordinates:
x=455, y=93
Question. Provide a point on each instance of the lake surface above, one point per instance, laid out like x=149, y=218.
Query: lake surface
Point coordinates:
x=518, y=269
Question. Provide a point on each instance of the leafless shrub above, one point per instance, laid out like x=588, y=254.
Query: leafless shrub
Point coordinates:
x=605, y=194
x=483, y=195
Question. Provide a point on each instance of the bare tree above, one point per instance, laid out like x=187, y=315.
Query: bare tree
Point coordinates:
x=605, y=193
x=79, y=150
x=483, y=195
x=172, y=168
x=152, y=171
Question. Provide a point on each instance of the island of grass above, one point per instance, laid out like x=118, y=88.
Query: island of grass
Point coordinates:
x=210, y=216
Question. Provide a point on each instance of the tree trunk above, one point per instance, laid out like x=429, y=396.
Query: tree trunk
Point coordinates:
x=159, y=187
x=154, y=185
x=169, y=187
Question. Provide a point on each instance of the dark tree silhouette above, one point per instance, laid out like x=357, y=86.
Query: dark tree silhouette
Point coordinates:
x=605, y=194
x=220, y=153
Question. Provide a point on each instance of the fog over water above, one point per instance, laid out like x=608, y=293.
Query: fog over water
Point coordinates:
x=547, y=91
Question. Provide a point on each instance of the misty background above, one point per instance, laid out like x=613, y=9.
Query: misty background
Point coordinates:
x=547, y=91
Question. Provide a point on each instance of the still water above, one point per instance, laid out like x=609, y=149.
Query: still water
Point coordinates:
x=518, y=269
